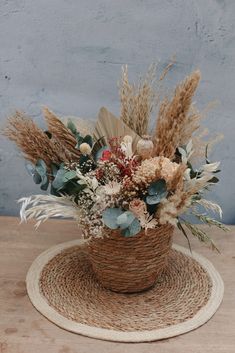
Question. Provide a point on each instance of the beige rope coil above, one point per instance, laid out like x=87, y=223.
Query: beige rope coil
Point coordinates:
x=62, y=286
x=130, y=264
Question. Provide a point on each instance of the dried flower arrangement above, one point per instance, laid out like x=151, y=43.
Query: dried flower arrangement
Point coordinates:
x=118, y=175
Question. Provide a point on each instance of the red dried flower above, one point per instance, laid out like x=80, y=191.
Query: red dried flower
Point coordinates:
x=106, y=155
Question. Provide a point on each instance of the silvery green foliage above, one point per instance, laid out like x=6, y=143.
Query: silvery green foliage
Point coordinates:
x=156, y=192
x=116, y=218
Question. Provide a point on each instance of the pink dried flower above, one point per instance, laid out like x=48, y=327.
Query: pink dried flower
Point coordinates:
x=138, y=207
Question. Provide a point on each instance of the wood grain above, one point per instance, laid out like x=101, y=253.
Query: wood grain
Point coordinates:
x=24, y=330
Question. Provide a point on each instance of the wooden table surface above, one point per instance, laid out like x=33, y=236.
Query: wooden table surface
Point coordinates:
x=24, y=330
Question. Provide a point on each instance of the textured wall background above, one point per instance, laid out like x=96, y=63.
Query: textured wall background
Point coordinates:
x=68, y=54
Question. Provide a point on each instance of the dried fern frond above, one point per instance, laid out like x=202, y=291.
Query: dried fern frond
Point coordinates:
x=137, y=101
x=31, y=140
x=60, y=132
x=175, y=124
x=42, y=207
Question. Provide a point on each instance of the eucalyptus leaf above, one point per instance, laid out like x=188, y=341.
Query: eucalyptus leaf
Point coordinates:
x=157, y=187
x=154, y=199
x=79, y=139
x=110, y=216
x=71, y=126
x=30, y=168
x=69, y=174
x=54, y=169
x=125, y=219
x=88, y=139
x=37, y=178
x=41, y=168
x=45, y=183
x=133, y=229
x=62, y=177
x=59, y=181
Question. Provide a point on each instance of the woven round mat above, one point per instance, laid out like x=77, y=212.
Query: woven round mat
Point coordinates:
x=62, y=286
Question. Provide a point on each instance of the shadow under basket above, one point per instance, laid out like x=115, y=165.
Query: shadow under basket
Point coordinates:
x=130, y=264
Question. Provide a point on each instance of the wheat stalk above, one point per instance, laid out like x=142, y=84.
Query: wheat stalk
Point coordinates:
x=175, y=125
x=137, y=101
x=31, y=140
x=60, y=132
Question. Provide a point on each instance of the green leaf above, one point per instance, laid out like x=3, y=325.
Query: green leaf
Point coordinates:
x=70, y=174
x=155, y=199
x=45, y=183
x=156, y=192
x=133, y=229
x=54, y=169
x=37, y=178
x=214, y=180
x=88, y=139
x=62, y=177
x=41, y=168
x=79, y=139
x=110, y=216
x=72, y=188
x=157, y=187
x=71, y=126
x=59, y=180
x=125, y=219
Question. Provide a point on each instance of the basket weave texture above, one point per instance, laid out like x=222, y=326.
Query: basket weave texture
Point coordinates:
x=130, y=264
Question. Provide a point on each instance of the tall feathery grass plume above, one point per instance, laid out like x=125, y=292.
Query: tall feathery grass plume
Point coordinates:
x=60, y=132
x=31, y=140
x=137, y=101
x=43, y=207
x=176, y=120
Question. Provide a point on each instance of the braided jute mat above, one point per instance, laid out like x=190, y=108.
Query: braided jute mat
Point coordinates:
x=62, y=287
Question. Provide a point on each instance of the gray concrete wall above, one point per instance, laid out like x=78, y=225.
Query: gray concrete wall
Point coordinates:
x=68, y=54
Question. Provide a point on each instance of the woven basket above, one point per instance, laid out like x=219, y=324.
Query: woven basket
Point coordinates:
x=132, y=264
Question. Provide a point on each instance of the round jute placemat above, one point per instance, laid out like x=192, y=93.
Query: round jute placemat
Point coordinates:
x=62, y=286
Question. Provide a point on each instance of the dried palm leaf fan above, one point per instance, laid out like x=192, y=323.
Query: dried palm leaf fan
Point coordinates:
x=108, y=126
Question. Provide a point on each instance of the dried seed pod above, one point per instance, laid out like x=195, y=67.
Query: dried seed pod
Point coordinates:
x=145, y=147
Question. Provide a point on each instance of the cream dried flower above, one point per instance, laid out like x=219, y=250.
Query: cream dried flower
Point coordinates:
x=85, y=149
x=139, y=208
x=153, y=168
x=112, y=188
x=126, y=146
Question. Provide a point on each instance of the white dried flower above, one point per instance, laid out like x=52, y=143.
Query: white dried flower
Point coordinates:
x=126, y=146
x=112, y=188
x=127, y=139
x=85, y=149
